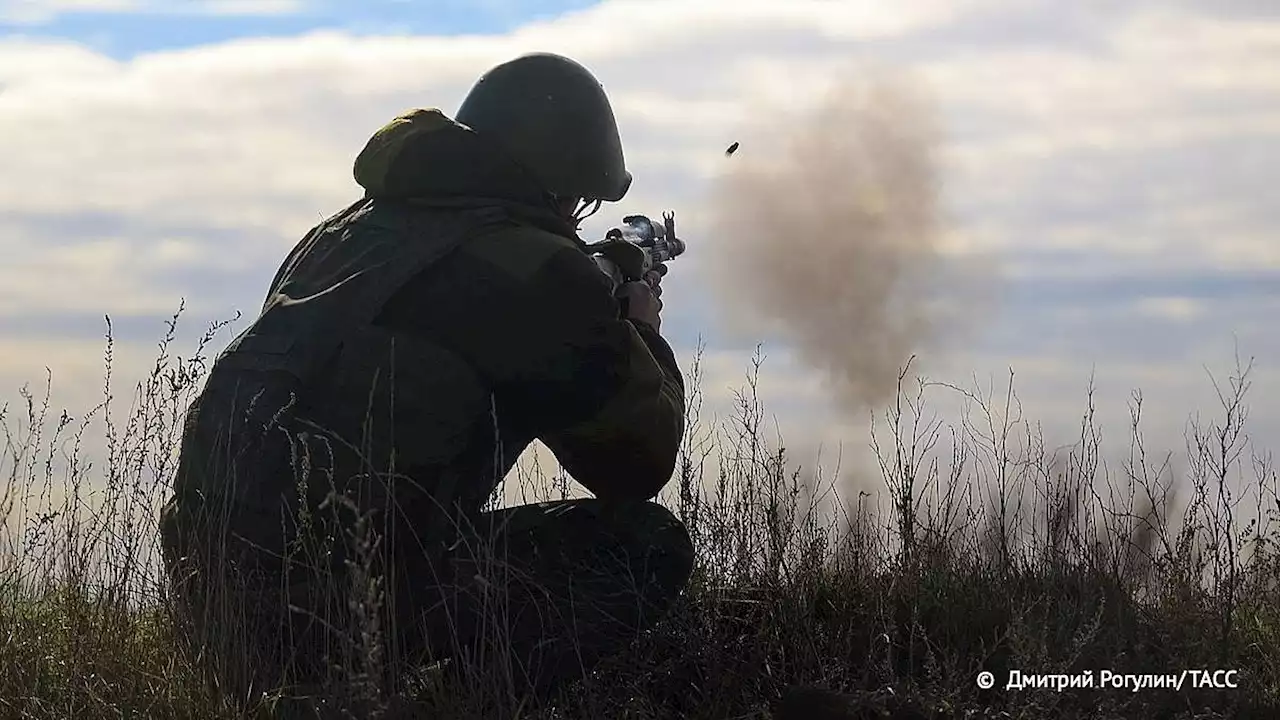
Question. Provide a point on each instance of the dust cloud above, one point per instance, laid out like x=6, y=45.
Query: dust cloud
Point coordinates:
x=832, y=238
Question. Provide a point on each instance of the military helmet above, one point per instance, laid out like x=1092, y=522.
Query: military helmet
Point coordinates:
x=553, y=117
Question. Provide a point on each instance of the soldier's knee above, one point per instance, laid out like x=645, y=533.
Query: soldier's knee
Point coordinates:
x=667, y=534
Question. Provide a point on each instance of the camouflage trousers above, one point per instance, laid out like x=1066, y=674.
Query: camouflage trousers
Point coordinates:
x=543, y=591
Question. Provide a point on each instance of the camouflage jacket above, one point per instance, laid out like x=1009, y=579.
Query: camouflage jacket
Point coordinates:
x=511, y=334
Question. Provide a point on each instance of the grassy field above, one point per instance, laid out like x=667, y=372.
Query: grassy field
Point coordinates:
x=995, y=553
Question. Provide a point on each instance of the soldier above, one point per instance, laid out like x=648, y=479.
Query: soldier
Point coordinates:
x=334, y=467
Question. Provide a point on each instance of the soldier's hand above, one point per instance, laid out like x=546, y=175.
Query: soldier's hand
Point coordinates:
x=643, y=299
x=654, y=277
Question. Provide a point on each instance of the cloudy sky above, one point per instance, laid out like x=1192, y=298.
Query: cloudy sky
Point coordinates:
x=1111, y=168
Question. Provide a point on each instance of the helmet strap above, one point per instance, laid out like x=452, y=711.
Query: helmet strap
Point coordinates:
x=586, y=207
x=578, y=215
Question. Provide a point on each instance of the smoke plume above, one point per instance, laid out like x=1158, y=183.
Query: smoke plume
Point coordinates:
x=832, y=241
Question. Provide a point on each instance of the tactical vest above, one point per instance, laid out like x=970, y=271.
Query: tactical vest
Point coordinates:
x=329, y=290
x=341, y=276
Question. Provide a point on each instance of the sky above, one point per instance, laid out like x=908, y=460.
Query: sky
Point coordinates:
x=1110, y=168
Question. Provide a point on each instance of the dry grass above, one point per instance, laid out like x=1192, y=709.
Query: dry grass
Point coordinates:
x=996, y=553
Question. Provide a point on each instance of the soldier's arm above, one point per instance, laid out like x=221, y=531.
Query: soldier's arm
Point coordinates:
x=627, y=449
x=537, y=318
x=617, y=380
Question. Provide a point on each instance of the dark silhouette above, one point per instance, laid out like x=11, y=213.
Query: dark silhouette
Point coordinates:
x=327, y=509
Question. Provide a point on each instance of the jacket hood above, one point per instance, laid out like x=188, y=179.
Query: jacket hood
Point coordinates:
x=424, y=155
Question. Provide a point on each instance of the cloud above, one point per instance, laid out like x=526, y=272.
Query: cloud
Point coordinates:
x=1118, y=162
x=35, y=12
x=39, y=12
x=48, y=61
x=248, y=7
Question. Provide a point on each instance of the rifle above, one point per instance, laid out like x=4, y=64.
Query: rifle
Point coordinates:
x=626, y=253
